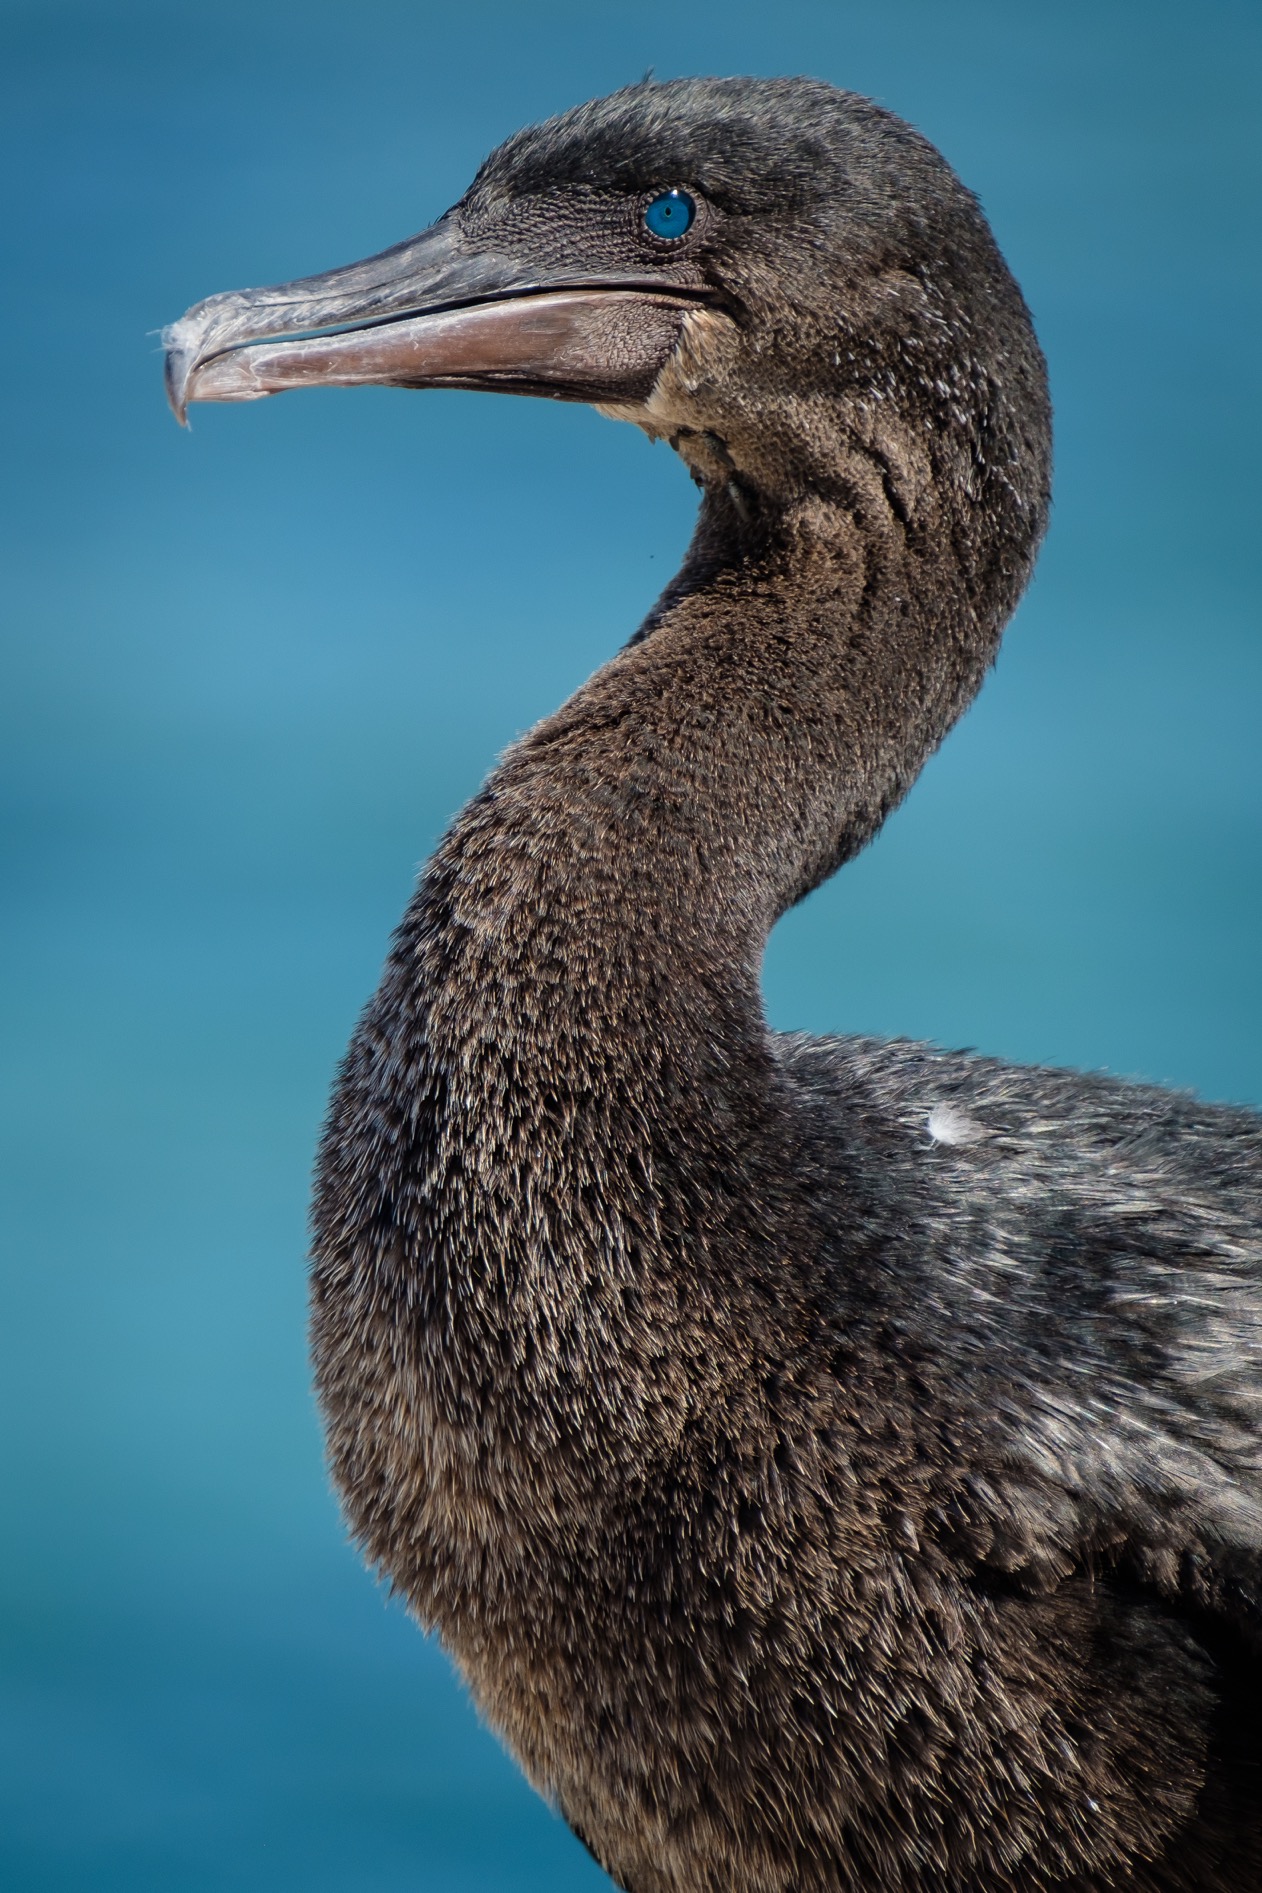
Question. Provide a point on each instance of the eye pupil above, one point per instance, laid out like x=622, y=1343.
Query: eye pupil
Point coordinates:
x=670, y=214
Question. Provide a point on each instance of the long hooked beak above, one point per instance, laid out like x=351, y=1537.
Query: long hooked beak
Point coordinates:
x=432, y=312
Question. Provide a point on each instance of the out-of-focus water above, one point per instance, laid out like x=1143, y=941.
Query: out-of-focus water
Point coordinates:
x=250, y=673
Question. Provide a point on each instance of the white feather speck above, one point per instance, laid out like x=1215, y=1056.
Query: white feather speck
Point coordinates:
x=947, y=1124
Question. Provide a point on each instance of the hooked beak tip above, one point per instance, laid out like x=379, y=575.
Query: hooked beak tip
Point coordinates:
x=181, y=356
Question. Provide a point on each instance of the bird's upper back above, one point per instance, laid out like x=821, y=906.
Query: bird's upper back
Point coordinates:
x=1081, y=1260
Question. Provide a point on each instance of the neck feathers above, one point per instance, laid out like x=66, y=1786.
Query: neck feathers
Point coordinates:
x=561, y=1117
x=582, y=955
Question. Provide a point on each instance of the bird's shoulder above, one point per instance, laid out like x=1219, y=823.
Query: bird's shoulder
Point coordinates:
x=1117, y=1139
x=1080, y=1259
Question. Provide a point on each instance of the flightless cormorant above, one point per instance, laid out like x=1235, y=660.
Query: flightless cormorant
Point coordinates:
x=834, y=1464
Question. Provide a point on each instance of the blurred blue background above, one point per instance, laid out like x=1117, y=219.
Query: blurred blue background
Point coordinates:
x=251, y=672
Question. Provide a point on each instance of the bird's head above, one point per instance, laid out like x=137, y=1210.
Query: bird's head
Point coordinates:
x=784, y=280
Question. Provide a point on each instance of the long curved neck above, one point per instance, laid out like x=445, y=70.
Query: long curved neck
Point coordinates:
x=778, y=703
x=645, y=839
x=567, y=1058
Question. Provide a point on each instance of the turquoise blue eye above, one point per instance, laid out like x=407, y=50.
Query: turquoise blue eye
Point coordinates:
x=670, y=214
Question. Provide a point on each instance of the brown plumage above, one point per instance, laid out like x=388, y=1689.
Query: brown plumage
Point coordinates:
x=833, y=1464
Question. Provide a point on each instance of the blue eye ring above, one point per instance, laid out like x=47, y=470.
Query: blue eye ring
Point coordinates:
x=670, y=215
